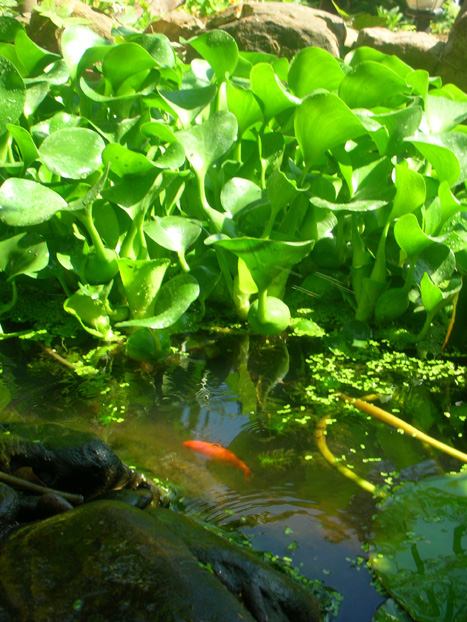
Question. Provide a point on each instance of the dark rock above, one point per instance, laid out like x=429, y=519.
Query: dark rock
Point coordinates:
x=64, y=459
x=175, y=25
x=281, y=28
x=136, y=498
x=454, y=61
x=108, y=562
x=267, y=594
x=9, y=505
x=47, y=35
x=52, y=504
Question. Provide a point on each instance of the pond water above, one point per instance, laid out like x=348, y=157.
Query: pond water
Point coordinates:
x=261, y=400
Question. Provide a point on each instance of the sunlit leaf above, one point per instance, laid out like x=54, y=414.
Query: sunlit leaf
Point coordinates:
x=12, y=94
x=323, y=121
x=314, y=68
x=73, y=153
x=26, y=253
x=173, y=300
x=24, y=202
x=219, y=49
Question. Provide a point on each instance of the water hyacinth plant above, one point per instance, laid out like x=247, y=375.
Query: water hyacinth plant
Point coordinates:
x=141, y=185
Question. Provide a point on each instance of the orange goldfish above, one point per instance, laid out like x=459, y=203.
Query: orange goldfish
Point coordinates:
x=214, y=451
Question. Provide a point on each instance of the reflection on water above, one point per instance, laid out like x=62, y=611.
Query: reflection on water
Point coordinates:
x=244, y=397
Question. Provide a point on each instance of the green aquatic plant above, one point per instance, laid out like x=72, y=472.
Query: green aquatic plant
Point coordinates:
x=277, y=459
x=162, y=189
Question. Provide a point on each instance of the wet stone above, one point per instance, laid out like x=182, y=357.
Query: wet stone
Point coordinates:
x=110, y=562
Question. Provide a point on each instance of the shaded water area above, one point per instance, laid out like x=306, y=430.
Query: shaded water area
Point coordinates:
x=262, y=400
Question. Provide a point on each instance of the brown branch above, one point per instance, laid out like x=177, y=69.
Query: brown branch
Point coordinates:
x=22, y=483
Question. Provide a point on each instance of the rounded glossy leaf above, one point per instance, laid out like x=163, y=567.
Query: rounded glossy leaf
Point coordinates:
x=410, y=191
x=323, y=121
x=173, y=300
x=141, y=281
x=175, y=233
x=74, y=42
x=25, y=143
x=244, y=105
x=391, y=304
x=314, y=68
x=438, y=261
x=266, y=259
x=91, y=313
x=220, y=50
x=26, y=253
x=238, y=193
x=32, y=57
x=73, y=153
x=446, y=152
x=207, y=142
x=159, y=47
x=270, y=92
x=123, y=60
x=123, y=161
x=410, y=236
x=12, y=94
x=443, y=114
x=24, y=202
x=370, y=84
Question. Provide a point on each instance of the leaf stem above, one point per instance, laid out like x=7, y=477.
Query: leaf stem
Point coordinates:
x=400, y=424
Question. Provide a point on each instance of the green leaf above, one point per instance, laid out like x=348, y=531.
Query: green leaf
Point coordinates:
x=352, y=206
x=410, y=236
x=75, y=41
x=446, y=152
x=90, y=311
x=266, y=259
x=24, y=202
x=270, y=92
x=120, y=63
x=410, y=191
x=443, y=114
x=73, y=153
x=25, y=144
x=176, y=233
x=238, y=193
x=220, y=50
x=243, y=104
x=186, y=104
x=158, y=46
x=12, y=94
x=142, y=280
x=26, y=253
x=123, y=161
x=391, y=305
x=417, y=550
x=370, y=84
x=207, y=142
x=31, y=56
x=438, y=261
x=173, y=300
x=314, y=68
x=323, y=121
x=9, y=26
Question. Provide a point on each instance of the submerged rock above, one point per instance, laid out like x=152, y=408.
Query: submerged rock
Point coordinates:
x=110, y=562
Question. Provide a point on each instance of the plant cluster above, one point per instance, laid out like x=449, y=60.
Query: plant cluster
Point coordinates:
x=140, y=185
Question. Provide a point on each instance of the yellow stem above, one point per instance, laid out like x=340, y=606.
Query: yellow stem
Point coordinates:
x=320, y=437
x=386, y=417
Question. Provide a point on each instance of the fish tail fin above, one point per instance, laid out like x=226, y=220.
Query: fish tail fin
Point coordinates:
x=248, y=474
